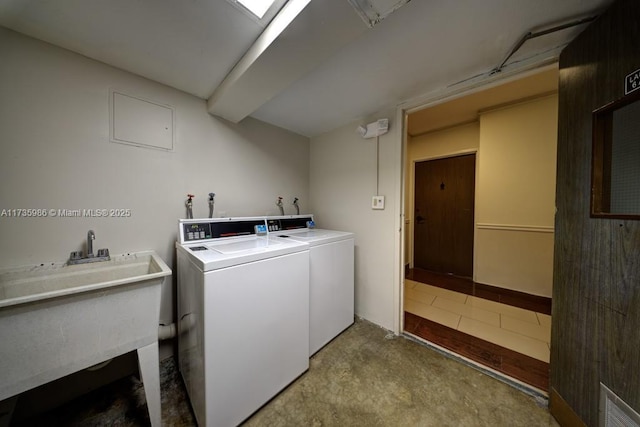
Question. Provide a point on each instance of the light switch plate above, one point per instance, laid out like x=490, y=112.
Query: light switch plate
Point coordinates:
x=377, y=202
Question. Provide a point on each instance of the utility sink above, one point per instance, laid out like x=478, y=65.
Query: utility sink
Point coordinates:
x=57, y=319
x=33, y=283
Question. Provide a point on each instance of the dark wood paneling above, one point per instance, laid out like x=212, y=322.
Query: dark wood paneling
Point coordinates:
x=596, y=289
x=562, y=411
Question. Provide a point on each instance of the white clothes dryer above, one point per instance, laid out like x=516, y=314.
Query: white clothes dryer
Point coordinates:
x=243, y=315
x=331, y=280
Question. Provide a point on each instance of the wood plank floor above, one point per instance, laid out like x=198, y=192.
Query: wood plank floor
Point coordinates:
x=524, y=368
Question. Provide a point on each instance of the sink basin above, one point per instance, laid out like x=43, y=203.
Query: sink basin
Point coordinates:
x=58, y=319
x=27, y=284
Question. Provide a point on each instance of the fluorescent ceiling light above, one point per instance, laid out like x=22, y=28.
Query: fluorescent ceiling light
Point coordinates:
x=257, y=7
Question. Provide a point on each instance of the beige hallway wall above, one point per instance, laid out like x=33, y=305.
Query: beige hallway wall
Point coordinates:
x=515, y=191
x=515, y=196
x=433, y=145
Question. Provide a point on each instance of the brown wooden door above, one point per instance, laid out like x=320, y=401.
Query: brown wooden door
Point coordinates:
x=444, y=200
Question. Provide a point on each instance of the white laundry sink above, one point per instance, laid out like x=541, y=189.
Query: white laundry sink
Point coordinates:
x=32, y=283
x=57, y=319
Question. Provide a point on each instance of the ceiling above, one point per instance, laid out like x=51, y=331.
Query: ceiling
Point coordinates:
x=319, y=70
x=467, y=109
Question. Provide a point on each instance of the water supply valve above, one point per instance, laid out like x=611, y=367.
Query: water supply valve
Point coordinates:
x=279, y=205
x=211, y=203
x=189, y=205
x=295, y=203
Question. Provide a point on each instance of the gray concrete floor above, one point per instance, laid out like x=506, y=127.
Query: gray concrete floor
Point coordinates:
x=365, y=377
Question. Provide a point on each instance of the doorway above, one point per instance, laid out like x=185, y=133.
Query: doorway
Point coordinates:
x=444, y=209
x=457, y=245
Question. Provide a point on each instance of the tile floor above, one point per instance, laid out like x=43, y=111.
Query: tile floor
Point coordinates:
x=524, y=331
x=467, y=286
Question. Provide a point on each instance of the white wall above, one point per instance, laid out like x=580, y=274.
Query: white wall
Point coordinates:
x=343, y=181
x=54, y=136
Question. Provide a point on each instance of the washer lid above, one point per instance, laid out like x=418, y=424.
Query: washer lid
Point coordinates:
x=317, y=236
x=246, y=245
x=228, y=252
x=308, y=234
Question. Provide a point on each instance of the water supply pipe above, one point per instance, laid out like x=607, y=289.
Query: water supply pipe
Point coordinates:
x=211, y=202
x=189, y=205
x=279, y=205
x=295, y=203
x=166, y=332
x=187, y=323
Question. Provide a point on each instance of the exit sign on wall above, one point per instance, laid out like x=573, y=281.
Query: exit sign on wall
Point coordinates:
x=632, y=82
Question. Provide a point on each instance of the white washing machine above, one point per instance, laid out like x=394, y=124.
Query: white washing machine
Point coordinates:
x=331, y=280
x=243, y=316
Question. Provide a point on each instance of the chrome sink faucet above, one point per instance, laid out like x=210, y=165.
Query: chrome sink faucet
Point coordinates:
x=77, y=257
x=91, y=236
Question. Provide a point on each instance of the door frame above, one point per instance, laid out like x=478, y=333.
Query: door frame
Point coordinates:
x=432, y=99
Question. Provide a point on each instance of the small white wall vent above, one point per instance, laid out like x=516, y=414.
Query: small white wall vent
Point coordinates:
x=614, y=412
x=140, y=122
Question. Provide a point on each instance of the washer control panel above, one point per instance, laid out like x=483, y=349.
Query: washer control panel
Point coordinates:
x=197, y=231
x=273, y=224
x=291, y=223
